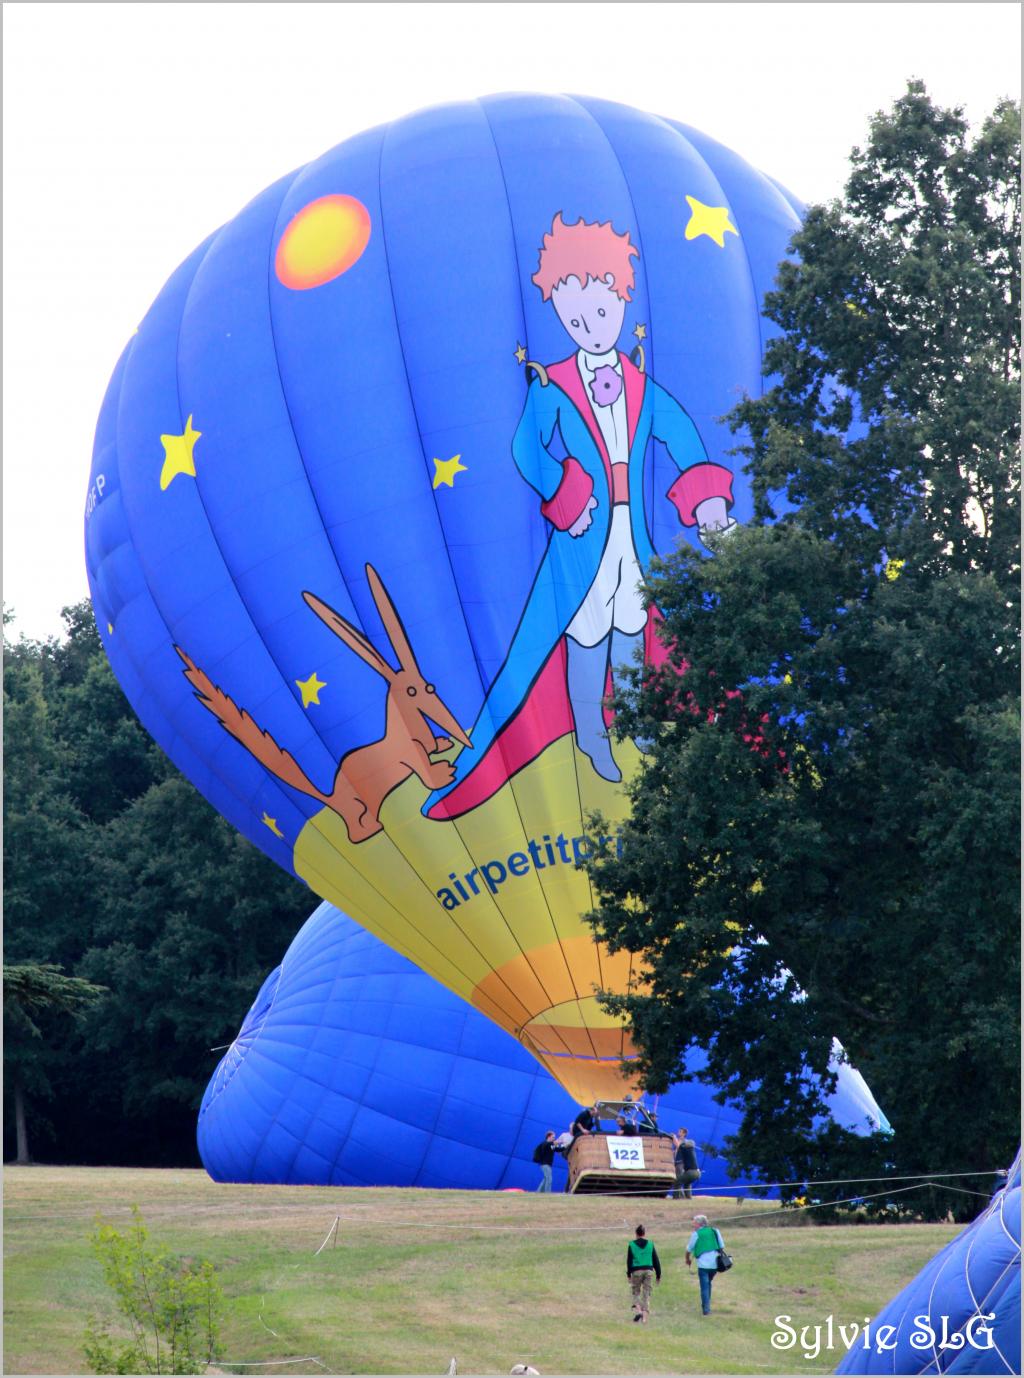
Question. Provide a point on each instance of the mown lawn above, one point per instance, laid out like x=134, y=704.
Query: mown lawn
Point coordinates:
x=416, y=1278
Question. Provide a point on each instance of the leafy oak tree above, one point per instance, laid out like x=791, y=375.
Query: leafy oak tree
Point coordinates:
x=824, y=837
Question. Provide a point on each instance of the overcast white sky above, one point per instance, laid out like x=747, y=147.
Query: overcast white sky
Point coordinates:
x=133, y=130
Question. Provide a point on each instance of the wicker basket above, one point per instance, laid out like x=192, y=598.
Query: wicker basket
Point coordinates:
x=592, y=1169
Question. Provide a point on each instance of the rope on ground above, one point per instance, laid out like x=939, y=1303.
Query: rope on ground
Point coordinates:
x=263, y=1322
x=845, y=1181
x=268, y=1363
x=333, y=1230
x=766, y=1217
x=160, y=1211
x=842, y=1201
x=933, y=1179
x=217, y=1208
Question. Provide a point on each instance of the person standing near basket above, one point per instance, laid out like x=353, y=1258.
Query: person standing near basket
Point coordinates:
x=687, y=1170
x=642, y=1264
x=704, y=1246
x=544, y=1157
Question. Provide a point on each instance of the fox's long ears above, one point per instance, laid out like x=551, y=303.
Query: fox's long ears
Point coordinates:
x=392, y=622
x=241, y=726
x=352, y=636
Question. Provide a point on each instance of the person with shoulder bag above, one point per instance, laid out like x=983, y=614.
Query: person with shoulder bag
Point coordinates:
x=708, y=1248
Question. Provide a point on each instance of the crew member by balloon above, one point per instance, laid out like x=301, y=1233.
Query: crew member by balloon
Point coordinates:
x=581, y=444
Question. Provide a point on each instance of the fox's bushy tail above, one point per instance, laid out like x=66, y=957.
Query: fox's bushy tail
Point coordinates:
x=241, y=726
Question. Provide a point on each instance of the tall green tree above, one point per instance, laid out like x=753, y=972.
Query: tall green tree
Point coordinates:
x=824, y=837
x=32, y=989
x=119, y=873
x=190, y=921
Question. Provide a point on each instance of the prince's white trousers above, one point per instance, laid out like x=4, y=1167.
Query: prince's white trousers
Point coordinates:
x=614, y=599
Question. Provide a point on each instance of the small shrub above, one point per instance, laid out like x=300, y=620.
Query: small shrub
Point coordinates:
x=169, y=1306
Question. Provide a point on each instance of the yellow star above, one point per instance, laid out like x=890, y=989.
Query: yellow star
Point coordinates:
x=520, y=353
x=710, y=220
x=446, y=469
x=310, y=689
x=892, y=569
x=178, y=457
x=640, y=331
x=271, y=823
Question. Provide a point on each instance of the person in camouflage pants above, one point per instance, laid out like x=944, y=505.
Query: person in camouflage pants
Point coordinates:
x=643, y=1266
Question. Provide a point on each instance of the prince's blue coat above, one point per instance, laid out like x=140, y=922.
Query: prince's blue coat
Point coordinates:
x=559, y=450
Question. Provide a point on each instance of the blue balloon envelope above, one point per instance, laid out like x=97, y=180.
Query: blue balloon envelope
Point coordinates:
x=961, y=1314
x=373, y=487
x=355, y=1068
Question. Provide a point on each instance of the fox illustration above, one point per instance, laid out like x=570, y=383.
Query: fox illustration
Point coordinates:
x=367, y=774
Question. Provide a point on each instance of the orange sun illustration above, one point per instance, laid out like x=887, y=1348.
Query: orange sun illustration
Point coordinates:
x=322, y=241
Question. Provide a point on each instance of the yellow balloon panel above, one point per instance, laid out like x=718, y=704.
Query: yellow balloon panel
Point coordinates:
x=491, y=904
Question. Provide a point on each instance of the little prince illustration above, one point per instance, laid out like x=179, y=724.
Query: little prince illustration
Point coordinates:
x=581, y=443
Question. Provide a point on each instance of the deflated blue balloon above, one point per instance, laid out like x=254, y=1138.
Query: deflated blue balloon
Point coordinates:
x=961, y=1314
x=355, y=1068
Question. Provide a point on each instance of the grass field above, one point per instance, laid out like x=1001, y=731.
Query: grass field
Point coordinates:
x=418, y=1277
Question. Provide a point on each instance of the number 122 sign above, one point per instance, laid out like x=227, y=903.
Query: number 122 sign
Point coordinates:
x=626, y=1153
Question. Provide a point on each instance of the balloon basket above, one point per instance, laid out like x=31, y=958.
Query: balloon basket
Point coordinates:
x=604, y=1164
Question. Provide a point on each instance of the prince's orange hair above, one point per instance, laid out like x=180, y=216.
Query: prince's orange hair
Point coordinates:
x=585, y=251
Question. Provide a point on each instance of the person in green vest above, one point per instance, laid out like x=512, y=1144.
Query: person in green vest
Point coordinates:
x=642, y=1264
x=703, y=1245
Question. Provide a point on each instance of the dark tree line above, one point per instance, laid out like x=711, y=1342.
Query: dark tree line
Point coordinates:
x=832, y=805
x=118, y=874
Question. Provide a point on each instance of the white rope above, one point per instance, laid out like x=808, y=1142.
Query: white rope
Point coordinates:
x=732, y=1188
x=964, y=1191
x=333, y=1230
x=765, y=1216
x=843, y=1201
x=263, y=1322
x=267, y=1363
x=845, y=1181
x=218, y=1208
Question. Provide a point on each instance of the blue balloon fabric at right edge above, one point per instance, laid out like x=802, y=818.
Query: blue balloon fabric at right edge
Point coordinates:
x=355, y=1068
x=969, y=1294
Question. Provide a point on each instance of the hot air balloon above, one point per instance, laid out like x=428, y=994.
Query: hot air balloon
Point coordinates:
x=373, y=487
x=961, y=1314
x=355, y=1068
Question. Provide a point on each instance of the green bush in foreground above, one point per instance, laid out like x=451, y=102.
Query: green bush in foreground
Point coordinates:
x=171, y=1306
